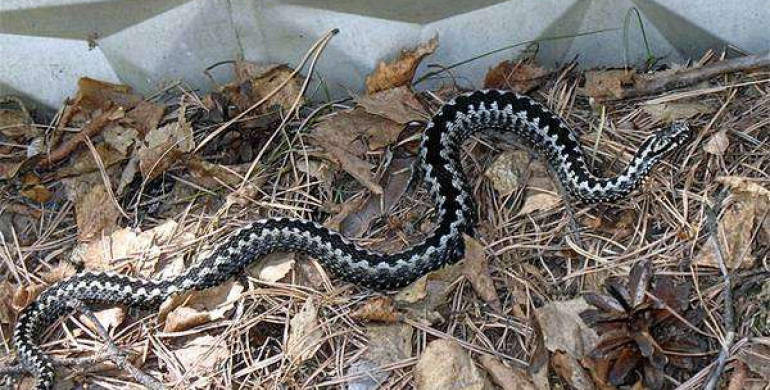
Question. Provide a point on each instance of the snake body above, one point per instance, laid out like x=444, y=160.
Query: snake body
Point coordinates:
x=440, y=167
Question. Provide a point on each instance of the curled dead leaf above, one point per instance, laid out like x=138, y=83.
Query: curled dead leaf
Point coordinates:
x=446, y=365
x=477, y=272
x=401, y=71
x=305, y=335
x=397, y=104
x=520, y=76
x=199, y=307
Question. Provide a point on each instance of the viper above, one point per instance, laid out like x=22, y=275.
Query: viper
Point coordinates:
x=439, y=166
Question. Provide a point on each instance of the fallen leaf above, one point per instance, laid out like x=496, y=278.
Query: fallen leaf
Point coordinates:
x=476, y=270
x=305, y=335
x=424, y=296
x=212, y=176
x=673, y=111
x=377, y=309
x=62, y=270
x=603, y=84
x=95, y=95
x=273, y=267
x=127, y=243
x=397, y=104
x=162, y=147
x=445, y=365
x=95, y=211
x=119, y=138
x=146, y=116
x=84, y=162
x=24, y=295
x=388, y=344
x=9, y=169
x=359, y=169
x=188, y=310
x=317, y=169
x=358, y=217
x=568, y=368
x=717, y=144
x=108, y=318
x=263, y=80
x=7, y=311
x=201, y=357
x=401, y=71
x=564, y=330
x=506, y=170
x=37, y=193
x=518, y=76
x=537, y=202
x=16, y=124
x=508, y=378
x=748, y=207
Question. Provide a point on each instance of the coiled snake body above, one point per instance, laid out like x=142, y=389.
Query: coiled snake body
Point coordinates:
x=440, y=167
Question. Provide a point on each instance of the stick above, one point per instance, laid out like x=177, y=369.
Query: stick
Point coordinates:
x=91, y=129
x=711, y=214
x=650, y=84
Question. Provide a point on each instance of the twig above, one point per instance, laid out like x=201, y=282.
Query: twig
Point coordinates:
x=113, y=351
x=91, y=129
x=729, y=322
x=649, y=84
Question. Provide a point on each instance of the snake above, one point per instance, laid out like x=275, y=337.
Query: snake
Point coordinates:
x=439, y=166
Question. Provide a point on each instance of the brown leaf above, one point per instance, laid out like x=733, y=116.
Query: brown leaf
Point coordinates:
x=387, y=345
x=508, y=378
x=401, y=71
x=568, y=368
x=62, y=270
x=213, y=176
x=603, y=84
x=146, y=116
x=445, y=365
x=25, y=295
x=673, y=111
x=305, y=335
x=377, y=309
x=398, y=105
x=628, y=360
x=16, y=124
x=108, y=318
x=7, y=311
x=757, y=357
x=95, y=211
x=563, y=330
x=476, y=270
x=639, y=280
x=717, y=144
x=273, y=267
x=201, y=359
x=199, y=307
x=37, y=193
x=99, y=95
x=542, y=201
x=119, y=138
x=604, y=302
x=519, y=76
x=162, y=147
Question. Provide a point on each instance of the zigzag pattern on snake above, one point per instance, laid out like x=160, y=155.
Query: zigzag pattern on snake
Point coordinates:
x=438, y=163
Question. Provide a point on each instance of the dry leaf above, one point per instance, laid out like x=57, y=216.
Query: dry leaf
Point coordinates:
x=162, y=147
x=387, y=345
x=429, y=292
x=602, y=84
x=201, y=359
x=757, y=356
x=25, y=295
x=543, y=201
x=62, y=270
x=84, y=161
x=717, y=144
x=521, y=77
x=199, y=307
x=146, y=116
x=317, y=169
x=377, y=309
x=305, y=336
x=15, y=124
x=95, y=211
x=397, y=104
x=508, y=378
x=749, y=206
x=670, y=112
x=564, y=330
x=120, y=139
x=446, y=365
x=401, y=71
x=477, y=272
x=7, y=311
x=108, y=318
x=99, y=95
x=127, y=243
x=263, y=79
x=37, y=193
x=569, y=369
x=213, y=176
x=359, y=215
x=273, y=267
x=505, y=172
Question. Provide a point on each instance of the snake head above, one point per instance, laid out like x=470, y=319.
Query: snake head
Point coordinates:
x=669, y=139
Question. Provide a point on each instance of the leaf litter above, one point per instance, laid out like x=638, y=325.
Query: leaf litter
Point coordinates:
x=481, y=319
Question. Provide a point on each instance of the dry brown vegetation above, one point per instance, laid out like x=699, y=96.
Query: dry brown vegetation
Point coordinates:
x=145, y=185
